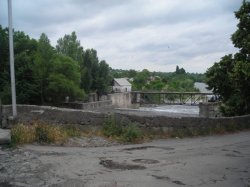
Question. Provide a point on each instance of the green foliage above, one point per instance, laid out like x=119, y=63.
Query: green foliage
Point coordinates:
x=180, y=71
x=140, y=80
x=111, y=128
x=24, y=48
x=42, y=68
x=95, y=75
x=119, y=73
x=241, y=37
x=131, y=133
x=230, y=78
x=70, y=46
x=119, y=131
x=179, y=81
x=4, y=65
x=65, y=80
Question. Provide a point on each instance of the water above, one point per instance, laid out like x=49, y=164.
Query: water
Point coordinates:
x=202, y=87
x=177, y=109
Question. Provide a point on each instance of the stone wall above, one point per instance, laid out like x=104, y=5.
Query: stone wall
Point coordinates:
x=54, y=115
x=209, y=109
x=175, y=123
x=89, y=105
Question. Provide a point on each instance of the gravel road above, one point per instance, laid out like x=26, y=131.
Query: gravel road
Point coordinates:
x=202, y=161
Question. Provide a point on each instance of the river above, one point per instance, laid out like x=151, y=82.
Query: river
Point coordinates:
x=178, y=109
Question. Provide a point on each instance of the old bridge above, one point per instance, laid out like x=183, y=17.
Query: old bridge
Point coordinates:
x=153, y=97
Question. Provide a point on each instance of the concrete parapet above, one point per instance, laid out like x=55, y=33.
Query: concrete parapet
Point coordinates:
x=208, y=110
x=177, y=123
x=89, y=105
x=53, y=115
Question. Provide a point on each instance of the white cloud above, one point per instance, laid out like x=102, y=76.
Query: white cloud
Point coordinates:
x=136, y=34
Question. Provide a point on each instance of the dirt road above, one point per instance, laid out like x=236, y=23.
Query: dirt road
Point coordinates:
x=203, y=161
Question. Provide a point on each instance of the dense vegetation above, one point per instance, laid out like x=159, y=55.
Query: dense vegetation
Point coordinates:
x=174, y=81
x=45, y=74
x=230, y=77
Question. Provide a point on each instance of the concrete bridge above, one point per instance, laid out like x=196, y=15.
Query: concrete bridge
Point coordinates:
x=154, y=97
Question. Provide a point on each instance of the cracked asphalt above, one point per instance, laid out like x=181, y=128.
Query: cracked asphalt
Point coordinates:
x=222, y=160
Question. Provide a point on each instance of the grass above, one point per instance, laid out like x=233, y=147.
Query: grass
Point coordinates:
x=131, y=133
x=42, y=133
x=118, y=131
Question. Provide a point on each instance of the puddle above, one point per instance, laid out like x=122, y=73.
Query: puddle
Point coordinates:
x=146, y=161
x=110, y=164
x=138, y=148
x=147, y=147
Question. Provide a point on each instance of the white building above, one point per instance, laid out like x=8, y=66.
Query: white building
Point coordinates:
x=121, y=85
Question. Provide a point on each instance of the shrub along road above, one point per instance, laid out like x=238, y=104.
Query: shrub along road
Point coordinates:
x=202, y=161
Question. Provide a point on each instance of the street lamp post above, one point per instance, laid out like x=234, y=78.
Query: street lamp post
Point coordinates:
x=12, y=66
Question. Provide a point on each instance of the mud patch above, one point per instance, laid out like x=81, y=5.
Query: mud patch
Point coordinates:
x=70, y=182
x=138, y=148
x=147, y=147
x=6, y=184
x=178, y=182
x=168, y=179
x=161, y=177
x=110, y=164
x=146, y=161
x=232, y=155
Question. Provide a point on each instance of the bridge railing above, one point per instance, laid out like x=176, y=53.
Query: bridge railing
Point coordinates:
x=154, y=97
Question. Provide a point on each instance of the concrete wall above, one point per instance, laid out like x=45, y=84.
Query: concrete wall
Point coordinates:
x=121, y=100
x=89, y=105
x=209, y=110
x=54, y=115
x=171, y=123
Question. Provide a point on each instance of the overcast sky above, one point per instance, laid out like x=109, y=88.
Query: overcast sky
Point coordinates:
x=135, y=34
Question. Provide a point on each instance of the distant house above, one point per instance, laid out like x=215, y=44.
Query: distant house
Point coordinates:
x=121, y=85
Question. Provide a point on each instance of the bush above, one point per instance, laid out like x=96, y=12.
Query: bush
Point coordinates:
x=131, y=133
x=111, y=128
x=116, y=130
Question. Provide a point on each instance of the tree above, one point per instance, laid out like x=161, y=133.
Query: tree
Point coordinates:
x=64, y=80
x=241, y=38
x=230, y=78
x=89, y=69
x=26, y=86
x=140, y=80
x=70, y=46
x=4, y=66
x=180, y=71
x=219, y=79
x=24, y=48
x=95, y=75
x=43, y=64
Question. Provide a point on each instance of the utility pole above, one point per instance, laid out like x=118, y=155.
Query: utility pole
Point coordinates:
x=12, y=66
